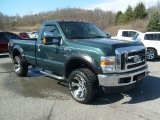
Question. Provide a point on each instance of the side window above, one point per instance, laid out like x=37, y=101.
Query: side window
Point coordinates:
x=155, y=37
x=159, y=37
x=128, y=33
x=125, y=33
x=152, y=37
x=149, y=37
x=51, y=28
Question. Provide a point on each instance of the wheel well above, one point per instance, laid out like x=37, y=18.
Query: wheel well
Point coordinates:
x=15, y=53
x=152, y=48
x=75, y=64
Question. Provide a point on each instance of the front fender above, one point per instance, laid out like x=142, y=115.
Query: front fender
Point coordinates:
x=83, y=57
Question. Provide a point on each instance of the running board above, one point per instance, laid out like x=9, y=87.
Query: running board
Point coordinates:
x=52, y=75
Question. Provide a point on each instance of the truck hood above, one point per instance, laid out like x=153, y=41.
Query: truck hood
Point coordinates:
x=106, y=45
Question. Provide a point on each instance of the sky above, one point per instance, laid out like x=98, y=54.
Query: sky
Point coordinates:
x=23, y=7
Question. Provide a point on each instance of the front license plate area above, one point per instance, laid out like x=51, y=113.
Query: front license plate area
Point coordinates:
x=138, y=77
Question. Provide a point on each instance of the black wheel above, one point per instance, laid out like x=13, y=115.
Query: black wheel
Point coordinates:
x=83, y=85
x=151, y=54
x=20, y=68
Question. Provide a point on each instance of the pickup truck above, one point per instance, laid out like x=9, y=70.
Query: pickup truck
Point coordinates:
x=81, y=54
x=124, y=34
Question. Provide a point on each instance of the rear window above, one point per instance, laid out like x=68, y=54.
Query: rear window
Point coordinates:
x=152, y=37
x=128, y=33
x=136, y=36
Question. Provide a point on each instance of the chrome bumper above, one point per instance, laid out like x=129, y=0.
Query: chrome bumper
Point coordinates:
x=122, y=79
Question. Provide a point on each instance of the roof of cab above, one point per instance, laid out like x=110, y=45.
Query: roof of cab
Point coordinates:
x=152, y=32
x=50, y=22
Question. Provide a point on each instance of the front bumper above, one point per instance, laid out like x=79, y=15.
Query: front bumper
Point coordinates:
x=122, y=79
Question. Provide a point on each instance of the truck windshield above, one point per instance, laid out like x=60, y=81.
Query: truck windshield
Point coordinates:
x=81, y=30
x=135, y=36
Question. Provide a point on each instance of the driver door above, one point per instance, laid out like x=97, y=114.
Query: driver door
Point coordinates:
x=50, y=57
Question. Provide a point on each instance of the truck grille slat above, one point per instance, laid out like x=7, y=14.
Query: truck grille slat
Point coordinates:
x=137, y=52
x=135, y=65
x=122, y=61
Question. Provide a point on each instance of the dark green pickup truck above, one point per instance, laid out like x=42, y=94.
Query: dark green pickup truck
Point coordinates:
x=81, y=54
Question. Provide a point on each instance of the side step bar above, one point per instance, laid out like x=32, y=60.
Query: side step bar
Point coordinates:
x=52, y=75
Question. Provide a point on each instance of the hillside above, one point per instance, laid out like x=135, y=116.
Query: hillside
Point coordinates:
x=139, y=25
x=107, y=20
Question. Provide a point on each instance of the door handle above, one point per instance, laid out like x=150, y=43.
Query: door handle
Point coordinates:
x=39, y=46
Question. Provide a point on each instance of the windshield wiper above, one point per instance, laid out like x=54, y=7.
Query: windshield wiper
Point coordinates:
x=77, y=38
x=98, y=37
x=87, y=37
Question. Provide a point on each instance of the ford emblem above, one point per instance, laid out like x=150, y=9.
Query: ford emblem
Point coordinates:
x=137, y=58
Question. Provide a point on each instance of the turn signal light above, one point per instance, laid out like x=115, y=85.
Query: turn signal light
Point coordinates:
x=44, y=40
x=107, y=62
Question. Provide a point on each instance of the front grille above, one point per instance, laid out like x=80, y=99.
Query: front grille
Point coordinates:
x=135, y=59
x=142, y=52
x=135, y=65
x=130, y=58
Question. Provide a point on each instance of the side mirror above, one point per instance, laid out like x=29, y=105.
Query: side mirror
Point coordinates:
x=49, y=39
x=108, y=35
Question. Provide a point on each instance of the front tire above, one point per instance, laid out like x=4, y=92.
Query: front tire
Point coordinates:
x=83, y=85
x=20, y=67
x=151, y=54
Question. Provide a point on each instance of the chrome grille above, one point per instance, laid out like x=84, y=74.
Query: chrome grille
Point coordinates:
x=130, y=58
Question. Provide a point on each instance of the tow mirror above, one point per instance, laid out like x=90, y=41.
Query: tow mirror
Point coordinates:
x=108, y=35
x=49, y=39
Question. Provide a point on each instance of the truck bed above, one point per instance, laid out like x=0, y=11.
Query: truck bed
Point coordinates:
x=28, y=47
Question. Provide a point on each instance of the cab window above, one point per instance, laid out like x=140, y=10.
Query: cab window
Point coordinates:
x=152, y=37
x=51, y=28
x=148, y=37
x=128, y=33
x=159, y=37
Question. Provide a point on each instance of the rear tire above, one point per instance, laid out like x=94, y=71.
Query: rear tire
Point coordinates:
x=151, y=54
x=83, y=85
x=20, y=67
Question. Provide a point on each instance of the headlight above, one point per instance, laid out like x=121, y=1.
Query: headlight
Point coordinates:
x=108, y=64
